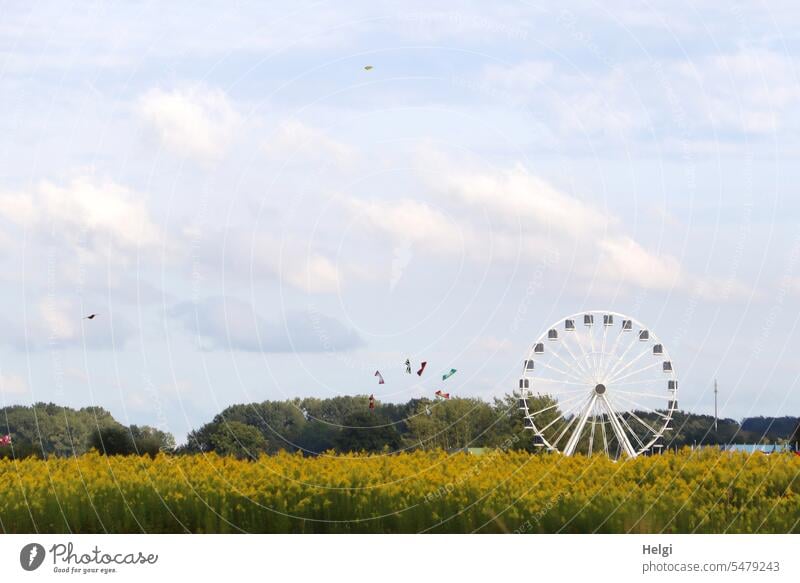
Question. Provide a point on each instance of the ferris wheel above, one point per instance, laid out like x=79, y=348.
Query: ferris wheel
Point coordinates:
x=598, y=383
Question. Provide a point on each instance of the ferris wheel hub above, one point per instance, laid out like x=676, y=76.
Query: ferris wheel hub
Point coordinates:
x=600, y=389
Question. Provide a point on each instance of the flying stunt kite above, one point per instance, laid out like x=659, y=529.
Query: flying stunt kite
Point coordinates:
x=447, y=375
x=422, y=366
x=380, y=377
x=368, y=67
x=408, y=366
x=90, y=317
x=441, y=394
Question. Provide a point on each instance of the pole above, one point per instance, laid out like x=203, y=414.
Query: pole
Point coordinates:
x=715, y=404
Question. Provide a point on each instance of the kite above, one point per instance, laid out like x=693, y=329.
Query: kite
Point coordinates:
x=439, y=393
x=5, y=440
x=368, y=68
x=421, y=368
x=380, y=377
x=372, y=401
x=90, y=317
x=447, y=375
x=408, y=366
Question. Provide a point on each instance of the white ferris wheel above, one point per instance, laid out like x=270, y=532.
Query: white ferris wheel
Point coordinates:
x=598, y=382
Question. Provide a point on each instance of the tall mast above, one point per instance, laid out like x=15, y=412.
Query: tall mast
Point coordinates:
x=715, y=404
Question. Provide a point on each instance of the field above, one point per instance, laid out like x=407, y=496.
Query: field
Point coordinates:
x=502, y=492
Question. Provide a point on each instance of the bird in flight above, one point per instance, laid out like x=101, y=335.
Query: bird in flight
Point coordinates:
x=90, y=317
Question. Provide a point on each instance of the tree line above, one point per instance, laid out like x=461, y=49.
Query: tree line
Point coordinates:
x=342, y=424
x=47, y=429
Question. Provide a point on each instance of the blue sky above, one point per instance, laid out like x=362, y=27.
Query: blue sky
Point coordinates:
x=254, y=216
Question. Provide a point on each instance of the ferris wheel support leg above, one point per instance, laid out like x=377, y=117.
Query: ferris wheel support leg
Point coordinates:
x=618, y=430
x=575, y=437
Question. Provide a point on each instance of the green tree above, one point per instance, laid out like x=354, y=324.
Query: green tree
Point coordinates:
x=228, y=438
x=794, y=439
x=239, y=440
x=453, y=424
x=48, y=429
x=318, y=437
x=149, y=440
x=280, y=422
x=369, y=431
x=112, y=440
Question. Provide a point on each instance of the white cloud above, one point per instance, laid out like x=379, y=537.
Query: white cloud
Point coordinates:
x=291, y=262
x=245, y=255
x=59, y=318
x=12, y=384
x=532, y=220
x=531, y=74
x=493, y=344
x=518, y=197
x=198, y=121
x=623, y=259
x=60, y=323
x=313, y=274
x=410, y=221
x=750, y=91
x=229, y=323
x=792, y=285
x=87, y=212
x=293, y=139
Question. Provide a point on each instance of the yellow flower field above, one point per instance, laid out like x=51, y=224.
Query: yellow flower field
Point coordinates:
x=502, y=492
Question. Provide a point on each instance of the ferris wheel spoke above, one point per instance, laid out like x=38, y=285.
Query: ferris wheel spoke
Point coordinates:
x=635, y=435
x=612, y=352
x=640, y=394
x=602, y=348
x=572, y=442
x=600, y=361
x=549, y=425
x=643, y=407
x=621, y=359
x=565, y=373
x=591, y=341
x=591, y=431
x=624, y=423
x=603, y=431
x=541, y=379
x=648, y=381
x=624, y=368
x=565, y=429
x=558, y=404
x=584, y=388
x=639, y=419
x=630, y=374
x=565, y=362
x=583, y=352
x=577, y=362
x=622, y=439
x=631, y=431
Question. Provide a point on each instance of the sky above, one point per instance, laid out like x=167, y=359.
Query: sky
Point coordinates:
x=253, y=215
